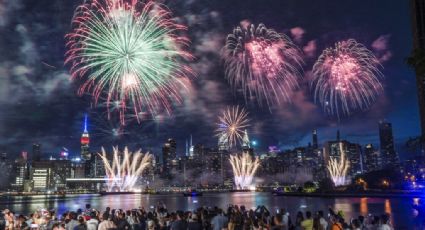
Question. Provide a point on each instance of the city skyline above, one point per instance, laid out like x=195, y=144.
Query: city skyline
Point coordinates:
x=57, y=112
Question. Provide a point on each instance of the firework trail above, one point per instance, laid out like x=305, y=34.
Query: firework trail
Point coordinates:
x=263, y=62
x=338, y=168
x=232, y=124
x=129, y=52
x=105, y=131
x=244, y=168
x=126, y=168
x=346, y=78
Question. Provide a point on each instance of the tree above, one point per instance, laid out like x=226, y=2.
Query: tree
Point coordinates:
x=417, y=61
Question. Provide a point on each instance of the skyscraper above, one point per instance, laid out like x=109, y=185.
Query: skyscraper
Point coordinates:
x=223, y=143
x=373, y=159
x=245, y=140
x=388, y=153
x=189, y=148
x=85, y=141
x=36, y=152
x=315, y=142
x=169, y=153
x=418, y=28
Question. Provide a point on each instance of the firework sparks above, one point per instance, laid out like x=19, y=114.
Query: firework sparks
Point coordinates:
x=346, y=78
x=126, y=168
x=130, y=53
x=232, y=124
x=263, y=63
x=338, y=168
x=106, y=131
x=244, y=168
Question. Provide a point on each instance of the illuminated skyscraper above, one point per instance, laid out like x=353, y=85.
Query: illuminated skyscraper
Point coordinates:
x=315, y=142
x=223, y=143
x=36, y=152
x=373, y=158
x=189, y=147
x=85, y=141
x=169, y=153
x=388, y=153
x=245, y=140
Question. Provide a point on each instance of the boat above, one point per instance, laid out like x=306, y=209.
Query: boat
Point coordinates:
x=105, y=193
x=192, y=193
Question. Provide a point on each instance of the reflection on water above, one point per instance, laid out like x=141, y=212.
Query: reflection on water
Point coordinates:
x=416, y=201
x=399, y=208
x=345, y=206
x=363, y=206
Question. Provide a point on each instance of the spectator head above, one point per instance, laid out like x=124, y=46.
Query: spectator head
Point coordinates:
x=56, y=226
x=308, y=214
x=81, y=219
x=219, y=211
x=278, y=219
x=194, y=217
x=355, y=223
x=361, y=219
x=151, y=224
x=108, y=209
x=180, y=215
x=121, y=215
x=105, y=216
x=73, y=216
x=320, y=213
x=384, y=219
x=21, y=218
x=88, y=206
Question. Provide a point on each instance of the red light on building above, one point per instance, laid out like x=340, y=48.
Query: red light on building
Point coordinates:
x=85, y=140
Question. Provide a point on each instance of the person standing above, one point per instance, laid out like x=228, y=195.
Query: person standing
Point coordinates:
x=194, y=223
x=93, y=223
x=180, y=222
x=307, y=224
x=219, y=221
x=81, y=224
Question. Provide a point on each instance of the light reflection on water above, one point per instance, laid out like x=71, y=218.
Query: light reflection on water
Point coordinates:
x=399, y=208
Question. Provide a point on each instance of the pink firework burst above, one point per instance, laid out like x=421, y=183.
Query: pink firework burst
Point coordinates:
x=263, y=63
x=346, y=78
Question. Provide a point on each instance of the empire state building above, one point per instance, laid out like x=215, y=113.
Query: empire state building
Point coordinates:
x=85, y=141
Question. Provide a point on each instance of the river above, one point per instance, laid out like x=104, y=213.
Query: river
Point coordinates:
x=400, y=209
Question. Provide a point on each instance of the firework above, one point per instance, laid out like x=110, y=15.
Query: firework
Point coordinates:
x=263, y=63
x=126, y=168
x=106, y=131
x=130, y=53
x=346, y=78
x=244, y=168
x=231, y=125
x=338, y=168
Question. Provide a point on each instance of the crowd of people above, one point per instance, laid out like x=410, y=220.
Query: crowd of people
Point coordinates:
x=159, y=218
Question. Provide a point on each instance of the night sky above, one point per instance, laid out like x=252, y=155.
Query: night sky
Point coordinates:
x=39, y=102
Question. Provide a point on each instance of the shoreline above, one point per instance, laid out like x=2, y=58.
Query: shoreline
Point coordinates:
x=277, y=194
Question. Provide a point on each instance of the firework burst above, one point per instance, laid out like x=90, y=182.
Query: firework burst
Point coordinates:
x=232, y=124
x=263, y=62
x=126, y=168
x=129, y=52
x=244, y=168
x=338, y=168
x=346, y=78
